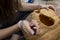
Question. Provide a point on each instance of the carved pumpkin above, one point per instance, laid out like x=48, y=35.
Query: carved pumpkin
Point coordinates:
x=48, y=22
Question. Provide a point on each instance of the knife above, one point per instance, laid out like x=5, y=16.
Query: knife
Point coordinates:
x=33, y=25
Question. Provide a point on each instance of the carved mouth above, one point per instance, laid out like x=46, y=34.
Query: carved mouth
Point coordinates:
x=46, y=20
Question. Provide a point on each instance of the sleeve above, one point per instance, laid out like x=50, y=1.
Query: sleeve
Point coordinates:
x=22, y=16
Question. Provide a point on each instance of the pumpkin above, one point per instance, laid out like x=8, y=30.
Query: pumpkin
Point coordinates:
x=48, y=25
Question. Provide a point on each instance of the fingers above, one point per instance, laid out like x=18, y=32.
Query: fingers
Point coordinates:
x=51, y=7
x=48, y=7
x=37, y=28
x=27, y=27
x=34, y=23
x=44, y=7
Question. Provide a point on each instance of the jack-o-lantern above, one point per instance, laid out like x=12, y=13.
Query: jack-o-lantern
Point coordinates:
x=49, y=25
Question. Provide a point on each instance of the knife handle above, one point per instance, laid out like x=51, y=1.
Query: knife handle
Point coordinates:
x=33, y=29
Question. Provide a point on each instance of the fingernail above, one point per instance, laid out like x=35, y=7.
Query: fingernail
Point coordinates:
x=32, y=32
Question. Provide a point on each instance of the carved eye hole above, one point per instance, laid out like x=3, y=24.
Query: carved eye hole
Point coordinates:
x=37, y=11
x=46, y=20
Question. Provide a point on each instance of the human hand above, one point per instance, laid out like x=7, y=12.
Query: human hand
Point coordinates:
x=51, y=7
x=34, y=25
x=41, y=6
x=27, y=26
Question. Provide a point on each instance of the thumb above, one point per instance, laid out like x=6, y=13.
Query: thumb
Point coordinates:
x=27, y=26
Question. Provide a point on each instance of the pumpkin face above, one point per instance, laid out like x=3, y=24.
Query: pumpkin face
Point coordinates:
x=45, y=17
x=47, y=20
